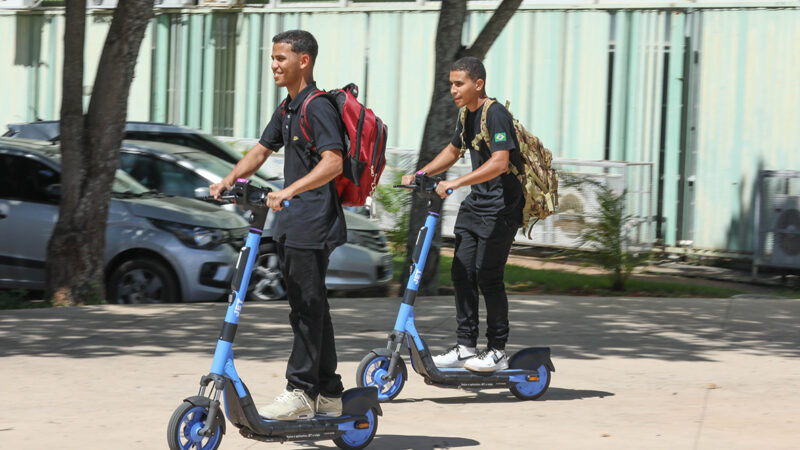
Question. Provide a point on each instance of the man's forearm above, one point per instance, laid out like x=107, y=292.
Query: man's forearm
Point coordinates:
x=327, y=169
x=249, y=164
x=443, y=161
x=487, y=171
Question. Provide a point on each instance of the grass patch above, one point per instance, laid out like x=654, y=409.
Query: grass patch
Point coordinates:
x=520, y=279
x=21, y=299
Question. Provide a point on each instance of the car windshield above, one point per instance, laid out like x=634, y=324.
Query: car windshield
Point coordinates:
x=263, y=171
x=220, y=169
x=125, y=184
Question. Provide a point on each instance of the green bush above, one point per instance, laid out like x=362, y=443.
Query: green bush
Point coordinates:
x=605, y=233
x=396, y=203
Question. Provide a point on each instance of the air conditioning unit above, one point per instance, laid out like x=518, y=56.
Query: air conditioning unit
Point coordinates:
x=174, y=3
x=786, y=229
x=101, y=4
x=19, y=4
x=777, y=224
x=220, y=3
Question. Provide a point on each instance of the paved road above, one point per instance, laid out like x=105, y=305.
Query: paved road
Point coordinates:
x=630, y=373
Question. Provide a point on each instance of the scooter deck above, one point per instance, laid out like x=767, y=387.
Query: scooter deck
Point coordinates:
x=242, y=413
x=311, y=429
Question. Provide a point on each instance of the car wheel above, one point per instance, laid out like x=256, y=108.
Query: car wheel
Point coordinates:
x=142, y=280
x=267, y=279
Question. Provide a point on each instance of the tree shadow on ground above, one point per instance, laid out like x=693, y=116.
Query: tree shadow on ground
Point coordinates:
x=494, y=396
x=574, y=327
x=400, y=442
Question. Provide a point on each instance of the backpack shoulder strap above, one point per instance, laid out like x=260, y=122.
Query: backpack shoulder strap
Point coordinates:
x=462, y=117
x=304, y=124
x=483, y=135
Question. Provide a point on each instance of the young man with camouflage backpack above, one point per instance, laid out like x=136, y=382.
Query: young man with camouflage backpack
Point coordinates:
x=488, y=218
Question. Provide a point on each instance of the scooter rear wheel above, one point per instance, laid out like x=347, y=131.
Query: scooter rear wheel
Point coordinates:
x=531, y=390
x=184, y=424
x=372, y=370
x=359, y=438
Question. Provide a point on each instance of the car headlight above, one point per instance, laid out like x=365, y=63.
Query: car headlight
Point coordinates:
x=193, y=236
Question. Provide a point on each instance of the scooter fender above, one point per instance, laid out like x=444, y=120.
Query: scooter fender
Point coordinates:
x=531, y=358
x=357, y=401
x=199, y=400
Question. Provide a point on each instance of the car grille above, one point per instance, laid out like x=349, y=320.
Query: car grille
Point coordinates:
x=372, y=239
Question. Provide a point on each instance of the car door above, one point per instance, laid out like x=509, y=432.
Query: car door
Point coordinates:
x=28, y=213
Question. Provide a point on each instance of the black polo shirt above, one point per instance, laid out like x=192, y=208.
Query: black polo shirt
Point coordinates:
x=314, y=219
x=501, y=196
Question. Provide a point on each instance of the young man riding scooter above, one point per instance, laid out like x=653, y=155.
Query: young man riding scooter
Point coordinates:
x=487, y=220
x=306, y=232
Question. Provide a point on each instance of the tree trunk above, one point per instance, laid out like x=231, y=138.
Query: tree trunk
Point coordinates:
x=442, y=116
x=90, y=149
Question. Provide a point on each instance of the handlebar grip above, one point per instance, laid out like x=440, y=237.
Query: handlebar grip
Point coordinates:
x=449, y=191
x=285, y=203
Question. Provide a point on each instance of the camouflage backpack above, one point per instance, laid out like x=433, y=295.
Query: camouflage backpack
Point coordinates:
x=539, y=180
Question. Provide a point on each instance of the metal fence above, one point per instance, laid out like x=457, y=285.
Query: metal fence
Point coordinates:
x=578, y=202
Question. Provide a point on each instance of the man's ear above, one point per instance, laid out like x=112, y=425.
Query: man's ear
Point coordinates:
x=305, y=60
x=479, y=85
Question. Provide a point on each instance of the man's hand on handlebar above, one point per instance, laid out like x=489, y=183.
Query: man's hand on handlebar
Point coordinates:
x=445, y=188
x=408, y=179
x=275, y=199
x=216, y=189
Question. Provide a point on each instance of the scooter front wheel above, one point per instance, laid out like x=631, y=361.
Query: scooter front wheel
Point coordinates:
x=373, y=371
x=186, y=421
x=359, y=438
x=531, y=390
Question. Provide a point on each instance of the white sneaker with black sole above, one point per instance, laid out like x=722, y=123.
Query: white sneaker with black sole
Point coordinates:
x=454, y=357
x=489, y=360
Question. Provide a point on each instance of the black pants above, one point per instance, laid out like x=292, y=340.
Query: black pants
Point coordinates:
x=479, y=262
x=312, y=364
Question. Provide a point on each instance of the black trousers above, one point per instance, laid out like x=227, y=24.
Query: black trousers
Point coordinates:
x=312, y=364
x=479, y=262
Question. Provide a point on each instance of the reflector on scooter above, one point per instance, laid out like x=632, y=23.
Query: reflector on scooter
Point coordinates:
x=532, y=378
x=361, y=425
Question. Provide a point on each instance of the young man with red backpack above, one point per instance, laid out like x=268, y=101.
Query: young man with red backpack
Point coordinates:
x=487, y=220
x=309, y=229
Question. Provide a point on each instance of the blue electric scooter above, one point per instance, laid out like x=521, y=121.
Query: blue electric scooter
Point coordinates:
x=528, y=375
x=199, y=423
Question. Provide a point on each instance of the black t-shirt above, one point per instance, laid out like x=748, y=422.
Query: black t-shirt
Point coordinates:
x=501, y=196
x=314, y=219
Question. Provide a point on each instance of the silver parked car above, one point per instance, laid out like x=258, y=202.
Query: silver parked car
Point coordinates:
x=158, y=248
x=363, y=262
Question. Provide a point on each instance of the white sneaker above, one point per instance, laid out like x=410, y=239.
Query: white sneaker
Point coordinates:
x=329, y=406
x=290, y=405
x=455, y=356
x=489, y=360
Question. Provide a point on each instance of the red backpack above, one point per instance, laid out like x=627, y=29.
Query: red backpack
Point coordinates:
x=365, y=155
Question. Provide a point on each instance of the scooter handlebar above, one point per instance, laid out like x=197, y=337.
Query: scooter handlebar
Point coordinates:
x=243, y=193
x=415, y=187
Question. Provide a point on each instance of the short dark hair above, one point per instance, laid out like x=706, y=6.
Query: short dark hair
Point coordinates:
x=472, y=65
x=300, y=40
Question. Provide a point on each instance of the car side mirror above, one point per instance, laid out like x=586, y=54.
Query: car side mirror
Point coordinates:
x=202, y=193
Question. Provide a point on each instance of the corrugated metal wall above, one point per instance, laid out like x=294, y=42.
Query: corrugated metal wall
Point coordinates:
x=748, y=117
x=593, y=84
